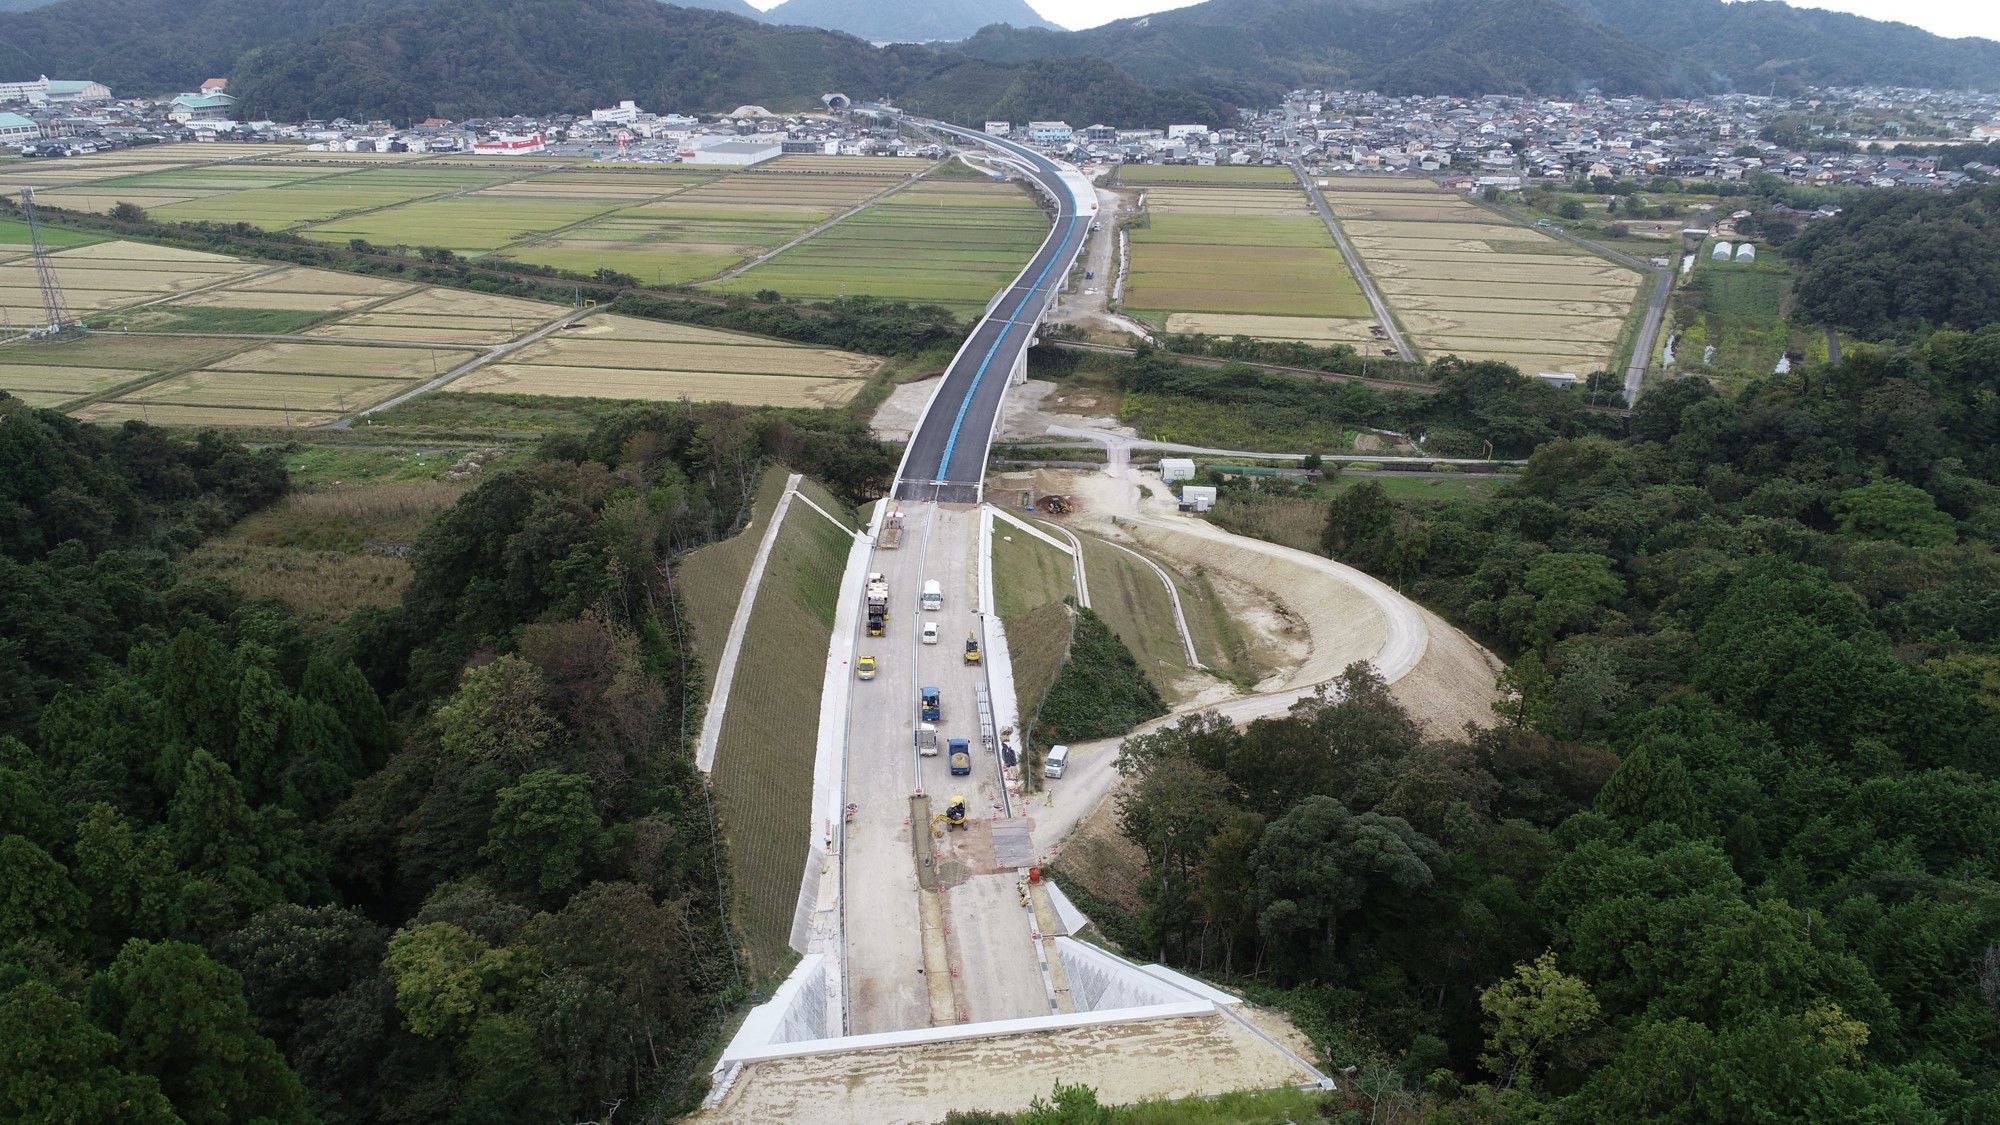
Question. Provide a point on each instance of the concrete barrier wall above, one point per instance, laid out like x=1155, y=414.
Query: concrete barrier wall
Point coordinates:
x=796, y=1013
x=1099, y=982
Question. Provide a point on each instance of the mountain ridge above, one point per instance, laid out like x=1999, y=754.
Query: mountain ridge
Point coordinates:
x=908, y=21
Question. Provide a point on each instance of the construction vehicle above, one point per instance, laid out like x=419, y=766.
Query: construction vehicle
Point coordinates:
x=891, y=536
x=933, y=706
x=972, y=648
x=1057, y=505
x=878, y=605
x=927, y=740
x=952, y=817
x=961, y=756
x=933, y=594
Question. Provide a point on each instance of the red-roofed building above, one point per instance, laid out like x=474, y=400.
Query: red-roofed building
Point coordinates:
x=214, y=85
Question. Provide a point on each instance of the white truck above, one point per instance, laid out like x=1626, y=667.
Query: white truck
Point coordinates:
x=933, y=594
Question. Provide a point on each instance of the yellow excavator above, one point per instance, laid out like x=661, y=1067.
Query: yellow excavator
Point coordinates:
x=952, y=817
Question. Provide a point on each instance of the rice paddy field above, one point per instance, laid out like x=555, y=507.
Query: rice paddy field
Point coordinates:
x=1465, y=283
x=1222, y=174
x=98, y=276
x=699, y=228
x=628, y=358
x=947, y=242
x=663, y=224
x=1248, y=250
x=161, y=354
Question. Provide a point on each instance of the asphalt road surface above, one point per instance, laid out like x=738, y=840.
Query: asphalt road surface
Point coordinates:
x=946, y=456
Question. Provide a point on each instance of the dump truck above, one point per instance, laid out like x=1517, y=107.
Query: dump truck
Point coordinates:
x=961, y=756
x=933, y=705
x=878, y=604
x=927, y=740
x=972, y=648
x=933, y=594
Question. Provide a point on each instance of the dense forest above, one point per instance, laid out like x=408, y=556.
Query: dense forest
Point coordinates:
x=1898, y=263
x=445, y=862
x=1729, y=854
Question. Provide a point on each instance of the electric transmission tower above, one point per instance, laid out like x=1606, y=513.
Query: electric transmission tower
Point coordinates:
x=60, y=321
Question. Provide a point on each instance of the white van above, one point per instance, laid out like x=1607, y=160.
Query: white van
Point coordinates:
x=1053, y=765
x=930, y=632
x=933, y=595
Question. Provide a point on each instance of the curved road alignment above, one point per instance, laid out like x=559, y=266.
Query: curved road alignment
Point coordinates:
x=945, y=458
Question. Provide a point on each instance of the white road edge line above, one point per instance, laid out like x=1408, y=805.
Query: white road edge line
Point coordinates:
x=725, y=672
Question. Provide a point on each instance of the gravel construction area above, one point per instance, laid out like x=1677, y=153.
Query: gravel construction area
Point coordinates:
x=1026, y=415
x=1126, y=1062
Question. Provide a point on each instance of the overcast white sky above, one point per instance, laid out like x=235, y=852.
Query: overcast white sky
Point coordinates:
x=1944, y=17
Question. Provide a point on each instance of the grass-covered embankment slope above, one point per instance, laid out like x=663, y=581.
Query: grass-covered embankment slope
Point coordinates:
x=764, y=757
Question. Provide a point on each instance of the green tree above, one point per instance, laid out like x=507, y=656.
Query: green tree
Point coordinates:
x=56, y=1066
x=1571, y=591
x=1533, y=1012
x=544, y=831
x=1891, y=509
x=1320, y=862
x=37, y=898
x=447, y=979
x=498, y=713
x=1360, y=525
x=181, y=1018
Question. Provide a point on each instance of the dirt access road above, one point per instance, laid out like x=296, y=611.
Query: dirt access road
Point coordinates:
x=997, y=973
x=1313, y=616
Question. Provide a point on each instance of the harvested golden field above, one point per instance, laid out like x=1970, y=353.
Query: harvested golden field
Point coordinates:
x=567, y=350
x=829, y=193
x=220, y=387
x=1411, y=302
x=275, y=299
x=460, y=302
x=657, y=386
x=610, y=326
x=291, y=358
x=1412, y=184
x=1551, y=271
x=850, y=165
x=1227, y=201
x=601, y=185
x=1466, y=285
x=203, y=415
x=303, y=280
x=108, y=275
x=1535, y=291
x=1506, y=326
x=1312, y=330
x=48, y=386
x=360, y=328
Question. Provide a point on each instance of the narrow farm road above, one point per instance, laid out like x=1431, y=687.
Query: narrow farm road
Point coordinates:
x=1354, y=265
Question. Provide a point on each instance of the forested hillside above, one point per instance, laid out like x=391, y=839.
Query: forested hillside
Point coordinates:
x=1897, y=263
x=1252, y=51
x=907, y=21
x=447, y=862
x=1730, y=855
